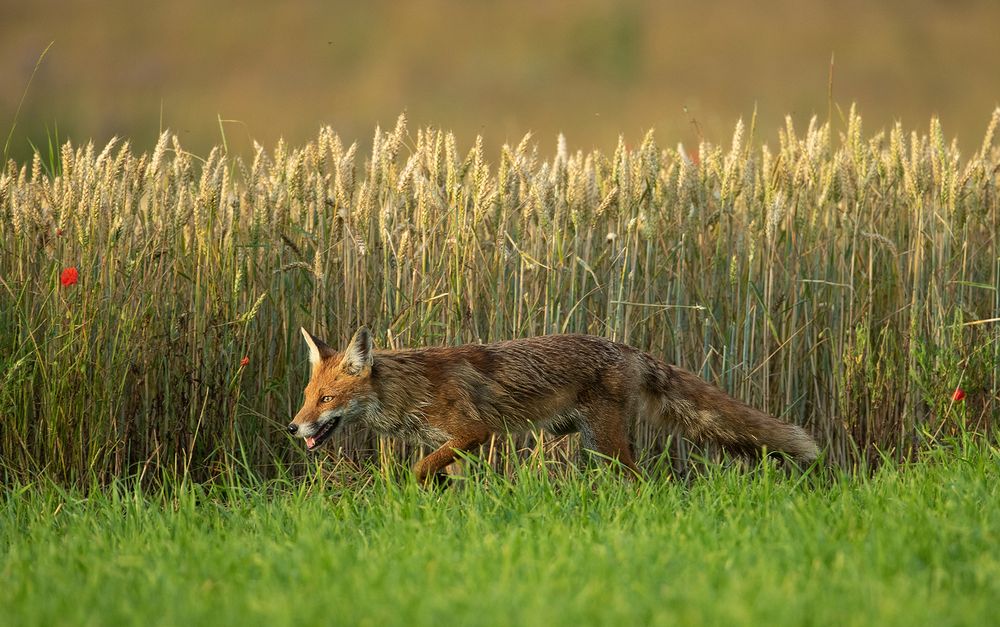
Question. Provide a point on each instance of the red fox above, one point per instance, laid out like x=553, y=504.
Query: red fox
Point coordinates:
x=455, y=398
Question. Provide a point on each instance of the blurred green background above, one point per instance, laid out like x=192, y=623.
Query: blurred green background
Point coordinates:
x=587, y=68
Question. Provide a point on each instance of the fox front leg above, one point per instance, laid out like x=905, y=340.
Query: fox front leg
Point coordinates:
x=432, y=466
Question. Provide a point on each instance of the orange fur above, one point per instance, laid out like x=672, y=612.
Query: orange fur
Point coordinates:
x=455, y=398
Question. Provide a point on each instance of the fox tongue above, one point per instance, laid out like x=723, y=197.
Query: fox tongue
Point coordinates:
x=310, y=442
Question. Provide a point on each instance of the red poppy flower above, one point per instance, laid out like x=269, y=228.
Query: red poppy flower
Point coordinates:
x=958, y=395
x=244, y=362
x=69, y=276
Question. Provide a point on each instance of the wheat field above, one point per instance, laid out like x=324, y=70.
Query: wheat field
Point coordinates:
x=842, y=280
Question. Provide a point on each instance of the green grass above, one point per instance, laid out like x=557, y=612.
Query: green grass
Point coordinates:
x=906, y=545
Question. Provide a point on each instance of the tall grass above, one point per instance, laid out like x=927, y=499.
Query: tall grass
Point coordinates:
x=841, y=281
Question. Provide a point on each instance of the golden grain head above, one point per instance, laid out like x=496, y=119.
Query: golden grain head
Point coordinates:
x=792, y=248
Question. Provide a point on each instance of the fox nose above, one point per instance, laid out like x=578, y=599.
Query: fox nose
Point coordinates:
x=293, y=428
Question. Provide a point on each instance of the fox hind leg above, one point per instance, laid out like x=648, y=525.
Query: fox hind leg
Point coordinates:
x=604, y=430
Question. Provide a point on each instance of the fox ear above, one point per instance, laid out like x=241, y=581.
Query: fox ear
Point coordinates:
x=318, y=350
x=358, y=356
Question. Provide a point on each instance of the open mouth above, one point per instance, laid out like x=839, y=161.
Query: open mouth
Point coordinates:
x=323, y=434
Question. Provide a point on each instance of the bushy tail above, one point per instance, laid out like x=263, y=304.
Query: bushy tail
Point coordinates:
x=703, y=412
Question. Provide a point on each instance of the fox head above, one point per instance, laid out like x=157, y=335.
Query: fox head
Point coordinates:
x=339, y=391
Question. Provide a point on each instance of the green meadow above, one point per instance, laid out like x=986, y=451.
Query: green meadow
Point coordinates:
x=911, y=545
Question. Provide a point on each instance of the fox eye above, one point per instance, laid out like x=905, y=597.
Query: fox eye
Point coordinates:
x=326, y=399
